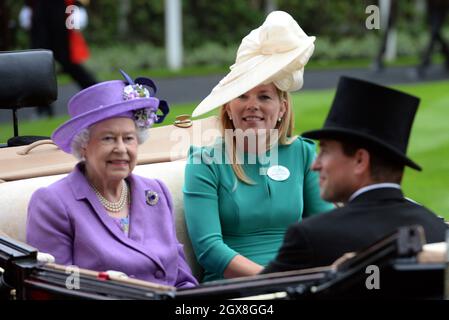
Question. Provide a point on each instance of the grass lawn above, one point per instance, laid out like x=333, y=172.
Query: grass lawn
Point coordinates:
x=429, y=143
x=191, y=71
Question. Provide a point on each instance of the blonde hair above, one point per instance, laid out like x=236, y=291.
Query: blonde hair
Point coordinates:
x=285, y=127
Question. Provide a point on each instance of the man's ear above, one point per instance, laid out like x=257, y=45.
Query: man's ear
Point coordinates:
x=362, y=161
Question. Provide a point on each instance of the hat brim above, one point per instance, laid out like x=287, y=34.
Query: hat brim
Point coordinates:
x=257, y=74
x=65, y=133
x=336, y=133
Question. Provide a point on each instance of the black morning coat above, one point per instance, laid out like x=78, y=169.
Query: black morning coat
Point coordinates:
x=372, y=215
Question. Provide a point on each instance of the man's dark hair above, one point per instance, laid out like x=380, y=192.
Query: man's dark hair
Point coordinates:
x=383, y=167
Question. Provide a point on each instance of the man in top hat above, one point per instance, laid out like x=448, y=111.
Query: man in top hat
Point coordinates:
x=361, y=163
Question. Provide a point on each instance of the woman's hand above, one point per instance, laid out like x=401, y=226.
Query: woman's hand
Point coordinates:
x=241, y=267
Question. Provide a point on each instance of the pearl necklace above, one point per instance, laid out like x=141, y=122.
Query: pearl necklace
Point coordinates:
x=114, y=206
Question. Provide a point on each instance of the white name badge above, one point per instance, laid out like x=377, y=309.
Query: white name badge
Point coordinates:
x=278, y=173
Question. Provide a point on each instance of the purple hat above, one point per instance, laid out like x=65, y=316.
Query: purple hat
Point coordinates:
x=110, y=99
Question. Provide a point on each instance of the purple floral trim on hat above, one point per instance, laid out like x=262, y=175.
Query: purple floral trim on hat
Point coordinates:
x=137, y=89
x=145, y=118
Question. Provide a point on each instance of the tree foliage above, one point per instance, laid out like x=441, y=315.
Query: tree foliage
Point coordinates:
x=225, y=22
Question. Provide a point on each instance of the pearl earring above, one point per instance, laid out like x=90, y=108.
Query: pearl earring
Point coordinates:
x=230, y=118
x=280, y=119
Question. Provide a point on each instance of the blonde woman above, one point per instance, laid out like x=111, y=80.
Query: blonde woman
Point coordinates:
x=243, y=192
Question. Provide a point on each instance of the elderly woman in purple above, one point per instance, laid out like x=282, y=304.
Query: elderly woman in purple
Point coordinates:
x=101, y=216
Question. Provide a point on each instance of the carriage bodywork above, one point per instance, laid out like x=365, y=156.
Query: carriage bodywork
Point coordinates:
x=399, y=257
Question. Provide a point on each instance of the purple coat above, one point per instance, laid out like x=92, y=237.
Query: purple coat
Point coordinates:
x=68, y=221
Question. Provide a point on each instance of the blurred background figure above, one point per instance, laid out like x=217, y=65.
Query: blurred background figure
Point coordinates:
x=50, y=29
x=4, y=21
x=436, y=14
x=389, y=24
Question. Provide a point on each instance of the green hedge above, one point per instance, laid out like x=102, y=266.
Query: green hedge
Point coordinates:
x=213, y=30
x=225, y=22
x=145, y=56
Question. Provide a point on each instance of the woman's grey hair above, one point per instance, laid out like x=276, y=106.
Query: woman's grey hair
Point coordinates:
x=81, y=140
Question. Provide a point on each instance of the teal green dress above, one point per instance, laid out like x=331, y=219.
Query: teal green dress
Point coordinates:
x=226, y=217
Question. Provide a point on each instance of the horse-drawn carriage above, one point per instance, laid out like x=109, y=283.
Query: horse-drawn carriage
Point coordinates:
x=28, y=79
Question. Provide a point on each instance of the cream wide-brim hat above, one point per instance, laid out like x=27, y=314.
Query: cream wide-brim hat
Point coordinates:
x=276, y=52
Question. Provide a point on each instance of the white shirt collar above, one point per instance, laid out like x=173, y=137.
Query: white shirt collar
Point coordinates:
x=372, y=187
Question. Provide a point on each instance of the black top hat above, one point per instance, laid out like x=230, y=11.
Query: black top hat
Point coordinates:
x=380, y=116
